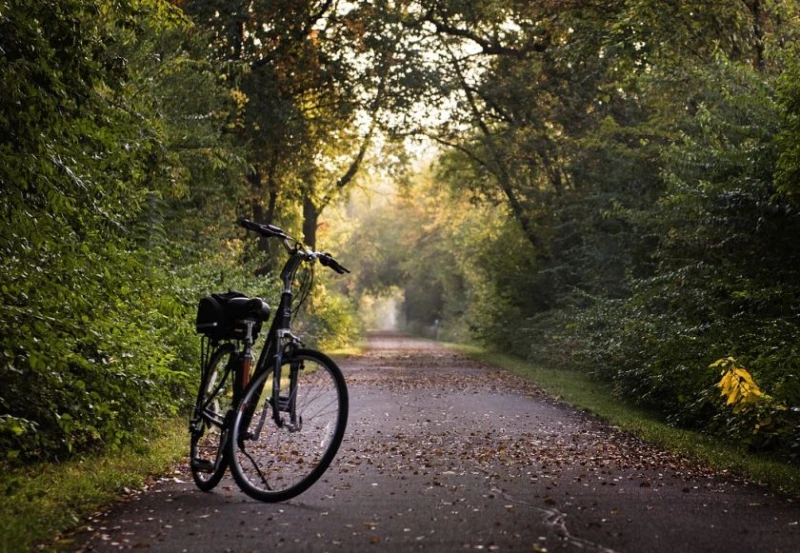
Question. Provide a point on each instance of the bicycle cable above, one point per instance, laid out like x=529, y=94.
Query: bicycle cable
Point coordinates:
x=304, y=288
x=305, y=280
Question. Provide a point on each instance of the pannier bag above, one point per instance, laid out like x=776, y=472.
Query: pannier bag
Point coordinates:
x=221, y=316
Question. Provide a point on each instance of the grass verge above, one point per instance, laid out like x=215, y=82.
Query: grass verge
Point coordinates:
x=349, y=351
x=41, y=501
x=587, y=394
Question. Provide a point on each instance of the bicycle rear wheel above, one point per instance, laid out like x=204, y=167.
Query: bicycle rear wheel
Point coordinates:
x=272, y=462
x=208, y=427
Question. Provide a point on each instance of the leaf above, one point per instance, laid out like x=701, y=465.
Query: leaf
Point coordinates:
x=733, y=396
x=744, y=375
x=721, y=362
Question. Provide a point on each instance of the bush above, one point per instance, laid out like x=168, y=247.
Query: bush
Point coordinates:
x=94, y=325
x=86, y=370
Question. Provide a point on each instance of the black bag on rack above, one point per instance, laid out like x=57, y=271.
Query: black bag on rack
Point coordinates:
x=219, y=316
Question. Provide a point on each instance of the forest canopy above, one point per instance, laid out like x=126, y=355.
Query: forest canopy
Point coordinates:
x=612, y=188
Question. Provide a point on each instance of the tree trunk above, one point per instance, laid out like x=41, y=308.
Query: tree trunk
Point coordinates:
x=311, y=215
x=757, y=9
x=264, y=215
x=260, y=216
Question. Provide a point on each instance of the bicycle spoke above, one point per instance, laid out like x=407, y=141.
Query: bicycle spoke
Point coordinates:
x=282, y=461
x=208, y=436
x=255, y=466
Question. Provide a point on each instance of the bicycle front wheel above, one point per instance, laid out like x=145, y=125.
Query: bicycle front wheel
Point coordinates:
x=208, y=428
x=275, y=461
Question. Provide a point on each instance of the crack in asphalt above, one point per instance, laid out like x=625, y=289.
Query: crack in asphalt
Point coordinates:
x=557, y=522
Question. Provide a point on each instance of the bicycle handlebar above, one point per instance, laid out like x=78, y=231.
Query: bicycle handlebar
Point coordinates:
x=268, y=231
x=328, y=261
x=271, y=231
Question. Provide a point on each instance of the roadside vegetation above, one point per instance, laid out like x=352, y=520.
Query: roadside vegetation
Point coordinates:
x=610, y=188
x=124, y=161
x=40, y=503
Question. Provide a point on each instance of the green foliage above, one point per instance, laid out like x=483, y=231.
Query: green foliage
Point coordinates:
x=641, y=175
x=329, y=320
x=95, y=327
x=788, y=173
x=726, y=275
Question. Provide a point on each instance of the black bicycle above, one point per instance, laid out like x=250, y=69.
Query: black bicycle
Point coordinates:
x=276, y=422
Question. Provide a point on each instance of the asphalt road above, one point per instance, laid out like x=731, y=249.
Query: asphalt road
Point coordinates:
x=443, y=454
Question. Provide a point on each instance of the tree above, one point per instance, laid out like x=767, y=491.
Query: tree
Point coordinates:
x=315, y=85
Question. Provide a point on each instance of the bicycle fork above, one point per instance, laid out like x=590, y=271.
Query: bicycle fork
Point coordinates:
x=287, y=403
x=278, y=404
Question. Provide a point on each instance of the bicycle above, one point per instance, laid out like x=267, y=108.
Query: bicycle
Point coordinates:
x=279, y=439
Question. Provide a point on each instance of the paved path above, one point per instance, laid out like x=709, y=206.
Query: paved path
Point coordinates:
x=443, y=454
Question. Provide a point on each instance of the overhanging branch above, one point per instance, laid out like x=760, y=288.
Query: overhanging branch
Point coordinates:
x=488, y=46
x=299, y=35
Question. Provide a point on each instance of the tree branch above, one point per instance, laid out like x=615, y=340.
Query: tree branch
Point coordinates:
x=488, y=46
x=374, y=107
x=458, y=147
x=298, y=36
x=499, y=169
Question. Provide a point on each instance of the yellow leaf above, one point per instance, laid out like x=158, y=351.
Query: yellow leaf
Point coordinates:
x=737, y=385
x=721, y=362
x=732, y=397
x=744, y=375
x=728, y=383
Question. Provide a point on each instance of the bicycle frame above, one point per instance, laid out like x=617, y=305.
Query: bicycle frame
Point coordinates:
x=276, y=345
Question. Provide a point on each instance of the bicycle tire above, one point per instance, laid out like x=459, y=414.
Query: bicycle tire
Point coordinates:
x=208, y=458
x=278, y=463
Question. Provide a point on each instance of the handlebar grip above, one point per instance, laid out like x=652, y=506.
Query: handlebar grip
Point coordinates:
x=249, y=225
x=264, y=230
x=339, y=268
x=328, y=261
x=276, y=231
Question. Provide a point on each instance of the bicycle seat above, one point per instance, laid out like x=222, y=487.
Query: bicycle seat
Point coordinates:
x=247, y=308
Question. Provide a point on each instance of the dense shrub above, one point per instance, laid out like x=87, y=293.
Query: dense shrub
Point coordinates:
x=726, y=279
x=94, y=324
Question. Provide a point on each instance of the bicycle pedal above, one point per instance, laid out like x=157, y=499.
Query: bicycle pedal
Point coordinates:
x=202, y=465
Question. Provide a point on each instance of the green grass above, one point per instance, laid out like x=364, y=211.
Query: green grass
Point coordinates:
x=41, y=501
x=587, y=394
x=347, y=351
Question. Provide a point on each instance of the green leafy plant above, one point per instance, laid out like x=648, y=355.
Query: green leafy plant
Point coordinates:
x=757, y=417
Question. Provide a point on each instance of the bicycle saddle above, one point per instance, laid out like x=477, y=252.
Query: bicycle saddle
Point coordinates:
x=247, y=308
